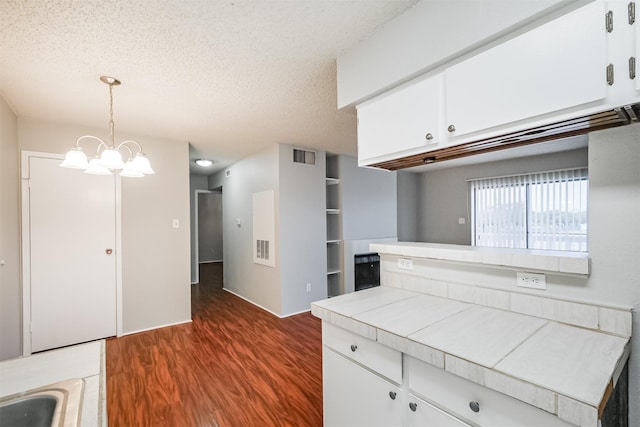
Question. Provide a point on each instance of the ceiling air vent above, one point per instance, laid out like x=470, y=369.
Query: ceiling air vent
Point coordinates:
x=304, y=156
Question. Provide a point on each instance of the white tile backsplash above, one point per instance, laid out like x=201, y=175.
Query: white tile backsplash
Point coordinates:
x=478, y=295
x=615, y=321
x=561, y=311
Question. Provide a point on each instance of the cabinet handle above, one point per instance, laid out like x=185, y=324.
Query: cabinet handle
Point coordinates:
x=392, y=395
x=428, y=137
x=354, y=347
x=413, y=406
x=451, y=128
x=475, y=406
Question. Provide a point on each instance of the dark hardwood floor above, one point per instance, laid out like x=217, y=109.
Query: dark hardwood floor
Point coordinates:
x=234, y=365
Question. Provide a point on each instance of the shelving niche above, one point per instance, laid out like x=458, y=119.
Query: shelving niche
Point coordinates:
x=334, y=227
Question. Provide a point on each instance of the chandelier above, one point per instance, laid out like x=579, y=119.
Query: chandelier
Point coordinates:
x=108, y=157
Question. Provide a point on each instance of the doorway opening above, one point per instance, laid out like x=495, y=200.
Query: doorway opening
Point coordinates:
x=208, y=228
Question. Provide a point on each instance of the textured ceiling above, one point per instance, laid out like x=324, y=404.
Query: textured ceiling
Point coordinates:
x=231, y=77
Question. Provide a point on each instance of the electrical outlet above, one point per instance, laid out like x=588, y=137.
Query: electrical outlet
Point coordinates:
x=405, y=263
x=531, y=280
x=308, y=287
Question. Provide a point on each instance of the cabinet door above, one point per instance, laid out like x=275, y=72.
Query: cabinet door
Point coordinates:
x=405, y=121
x=354, y=396
x=423, y=414
x=556, y=66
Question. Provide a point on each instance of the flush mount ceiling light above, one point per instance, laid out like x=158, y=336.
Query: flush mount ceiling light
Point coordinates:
x=108, y=157
x=204, y=162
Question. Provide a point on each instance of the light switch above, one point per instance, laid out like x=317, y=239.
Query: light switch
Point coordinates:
x=238, y=222
x=461, y=221
x=176, y=223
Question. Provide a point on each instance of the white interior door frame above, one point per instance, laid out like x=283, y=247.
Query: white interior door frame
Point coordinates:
x=26, y=249
x=196, y=232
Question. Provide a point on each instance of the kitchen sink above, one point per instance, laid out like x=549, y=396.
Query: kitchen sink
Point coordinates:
x=54, y=405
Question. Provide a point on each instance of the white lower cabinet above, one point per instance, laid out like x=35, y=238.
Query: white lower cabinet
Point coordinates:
x=354, y=396
x=369, y=384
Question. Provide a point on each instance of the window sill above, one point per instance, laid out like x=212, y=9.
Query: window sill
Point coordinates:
x=560, y=262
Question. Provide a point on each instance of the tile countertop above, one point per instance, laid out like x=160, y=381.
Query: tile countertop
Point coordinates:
x=80, y=361
x=553, y=362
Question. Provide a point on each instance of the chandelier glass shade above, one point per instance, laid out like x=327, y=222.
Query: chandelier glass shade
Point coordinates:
x=108, y=157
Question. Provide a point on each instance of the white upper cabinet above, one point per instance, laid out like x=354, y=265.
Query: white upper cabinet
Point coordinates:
x=406, y=121
x=556, y=66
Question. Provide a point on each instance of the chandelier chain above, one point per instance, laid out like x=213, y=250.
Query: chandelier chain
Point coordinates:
x=111, y=124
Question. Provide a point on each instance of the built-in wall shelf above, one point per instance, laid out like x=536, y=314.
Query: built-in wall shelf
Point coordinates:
x=334, y=227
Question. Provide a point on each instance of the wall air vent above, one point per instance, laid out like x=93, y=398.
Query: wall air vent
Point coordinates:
x=577, y=126
x=304, y=156
x=262, y=249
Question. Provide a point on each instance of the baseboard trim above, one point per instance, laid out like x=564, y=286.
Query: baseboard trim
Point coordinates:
x=264, y=308
x=155, y=327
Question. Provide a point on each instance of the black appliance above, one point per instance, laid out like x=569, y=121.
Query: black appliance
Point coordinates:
x=367, y=270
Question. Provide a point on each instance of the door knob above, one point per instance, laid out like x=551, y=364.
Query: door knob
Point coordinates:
x=108, y=251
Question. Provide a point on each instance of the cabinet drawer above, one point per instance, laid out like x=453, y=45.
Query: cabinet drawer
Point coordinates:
x=423, y=414
x=455, y=394
x=375, y=356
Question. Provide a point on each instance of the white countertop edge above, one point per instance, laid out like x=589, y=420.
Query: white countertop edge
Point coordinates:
x=560, y=262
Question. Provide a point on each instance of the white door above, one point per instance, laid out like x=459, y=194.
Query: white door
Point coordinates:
x=72, y=260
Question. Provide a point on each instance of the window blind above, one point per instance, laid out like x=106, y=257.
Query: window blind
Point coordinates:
x=545, y=210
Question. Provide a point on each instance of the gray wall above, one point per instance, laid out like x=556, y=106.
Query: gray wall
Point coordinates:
x=444, y=194
x=255, y=282
x=408, y=201
x=300, y=230
x=303, y=250
x=10, y=298
x=368, y=198
x=401, y=49
x=155, y=256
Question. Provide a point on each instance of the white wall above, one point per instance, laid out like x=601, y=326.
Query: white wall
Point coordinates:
x=426, y=36
x=155, y=256
x=255, y=282
x=303, y=250
x=10, y=299
x=444, y=194
x=614, y=234
x=614, y=231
